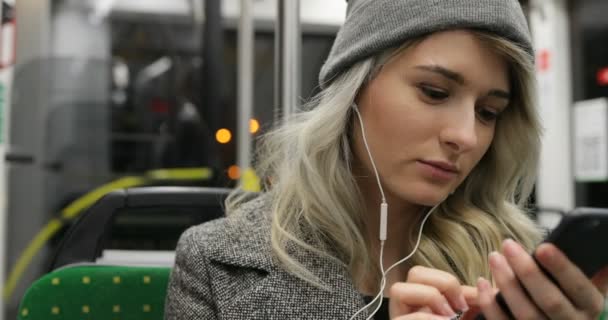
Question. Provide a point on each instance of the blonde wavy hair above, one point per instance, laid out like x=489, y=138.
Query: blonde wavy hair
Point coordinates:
x=316, y=204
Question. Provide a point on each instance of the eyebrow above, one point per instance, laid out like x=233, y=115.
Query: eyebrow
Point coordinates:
x=500, y=94
x=454, y=76
x=458, y=78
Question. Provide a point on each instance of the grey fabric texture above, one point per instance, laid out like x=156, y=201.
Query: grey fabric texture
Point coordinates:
x=224, y=270
x=371, y=26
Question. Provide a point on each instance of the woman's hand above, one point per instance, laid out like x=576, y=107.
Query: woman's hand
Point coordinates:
x=516, y=273
x=429, y=294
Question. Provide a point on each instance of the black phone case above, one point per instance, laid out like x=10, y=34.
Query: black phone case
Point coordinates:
x=577, y=234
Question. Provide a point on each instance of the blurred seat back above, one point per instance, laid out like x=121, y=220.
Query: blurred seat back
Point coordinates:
x=148, y=218
x=140, y=220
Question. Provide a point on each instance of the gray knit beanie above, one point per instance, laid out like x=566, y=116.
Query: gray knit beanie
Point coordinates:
x=372, y=26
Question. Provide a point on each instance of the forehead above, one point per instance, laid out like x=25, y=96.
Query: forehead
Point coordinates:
x=460, y=51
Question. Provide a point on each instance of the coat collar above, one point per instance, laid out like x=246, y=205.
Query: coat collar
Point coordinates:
x=244, y=237
x=246, y=243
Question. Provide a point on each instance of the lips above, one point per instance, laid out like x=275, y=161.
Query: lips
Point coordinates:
x=446, y=166
x=438, y=170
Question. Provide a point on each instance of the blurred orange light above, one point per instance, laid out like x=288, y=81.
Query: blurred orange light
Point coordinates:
x=223, y=136
x=234, y=172
x=254, y=126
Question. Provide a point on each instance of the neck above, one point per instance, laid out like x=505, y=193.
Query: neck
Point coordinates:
x=403, y=225
x=403, y=217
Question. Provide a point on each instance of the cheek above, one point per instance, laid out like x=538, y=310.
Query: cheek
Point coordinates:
x=485, y=141
x=401, y=118
x=398, y=130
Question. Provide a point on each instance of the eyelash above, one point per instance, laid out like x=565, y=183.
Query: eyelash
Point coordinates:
x=486, y=115
x=432, y=92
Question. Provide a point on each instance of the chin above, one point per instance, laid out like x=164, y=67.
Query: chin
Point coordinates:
x=425, y=196
x=430, y=201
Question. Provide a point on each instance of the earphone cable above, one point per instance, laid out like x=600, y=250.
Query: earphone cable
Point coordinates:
x=383, y=223
x=369, y=153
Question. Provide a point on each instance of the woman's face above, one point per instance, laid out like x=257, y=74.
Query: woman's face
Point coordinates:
x=430, y=115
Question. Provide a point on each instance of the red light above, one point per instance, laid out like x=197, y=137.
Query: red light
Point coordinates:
x=602, y=77
x=544, y=60
x=158, y=105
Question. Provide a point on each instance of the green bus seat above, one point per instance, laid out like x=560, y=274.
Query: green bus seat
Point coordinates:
x=97, y=292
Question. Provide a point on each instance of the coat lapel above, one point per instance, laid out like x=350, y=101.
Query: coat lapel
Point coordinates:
x=246, y=244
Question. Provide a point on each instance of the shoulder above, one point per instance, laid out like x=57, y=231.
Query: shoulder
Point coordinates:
x=219, y=265
x=227, y=266
x=241, y=239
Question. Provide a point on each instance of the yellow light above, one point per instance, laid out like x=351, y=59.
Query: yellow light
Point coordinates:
x=223, y=136
x=234, y=172
x=254, y=126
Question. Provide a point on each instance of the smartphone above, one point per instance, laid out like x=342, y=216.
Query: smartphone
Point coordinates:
x=577, y=235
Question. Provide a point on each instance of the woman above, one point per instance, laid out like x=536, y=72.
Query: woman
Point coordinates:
x=424, y=104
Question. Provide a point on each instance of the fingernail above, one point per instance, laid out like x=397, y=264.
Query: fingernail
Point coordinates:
x=482, y=285
x=545, y=253
x=493, y=259
x=510, y=247
x=447, y=310
x=462, y=304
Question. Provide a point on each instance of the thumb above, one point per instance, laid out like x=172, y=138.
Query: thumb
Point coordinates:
x=600, y=280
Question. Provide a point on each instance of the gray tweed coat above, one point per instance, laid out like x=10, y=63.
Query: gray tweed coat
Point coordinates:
x=224, y=270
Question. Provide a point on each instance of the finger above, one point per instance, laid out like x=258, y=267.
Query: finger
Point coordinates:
x=410, y=295
x=487, y=304
x=542, y=290
x=574, y=283
x=421, y=316
x=445, y=282
x=600, y=280
x=516, y=298
x=422, y=309
x=470, y=295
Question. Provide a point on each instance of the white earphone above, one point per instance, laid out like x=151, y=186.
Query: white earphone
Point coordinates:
x=383, y=227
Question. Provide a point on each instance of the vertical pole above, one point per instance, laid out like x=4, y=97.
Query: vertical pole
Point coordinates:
x=245, y=85
x=212, y=74
x=3, y=183
x=212, y=71
x=288, y=43
x=549, y=22
x=8, y=14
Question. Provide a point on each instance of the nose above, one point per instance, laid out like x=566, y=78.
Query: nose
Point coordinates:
x=459, y=132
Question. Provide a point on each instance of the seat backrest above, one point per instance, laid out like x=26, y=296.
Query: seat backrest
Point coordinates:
x=77, y=288
x=97, y=292
x=187, y=206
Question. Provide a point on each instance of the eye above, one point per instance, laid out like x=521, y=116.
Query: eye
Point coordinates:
x=433, y=92
x=487, y=115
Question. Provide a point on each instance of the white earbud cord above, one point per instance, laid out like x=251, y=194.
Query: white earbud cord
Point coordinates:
x=369, y=153
x=383, y=223
x=380, y=294
x=385, y=273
